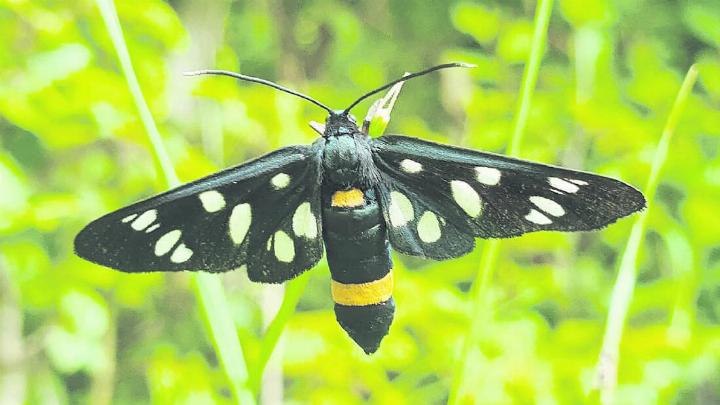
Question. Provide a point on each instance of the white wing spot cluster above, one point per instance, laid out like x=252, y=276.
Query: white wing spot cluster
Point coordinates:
x=428, y=227
x=152, y=228
x=143, y=221
x=304, y=222
x=167, y=242
x=487, y=175
x=212, y=200
x=466, y=197
x=410, y=166
x=566, y=185
x=547, y=205
x=280, y=181
x=401, y=210
x=239, y=222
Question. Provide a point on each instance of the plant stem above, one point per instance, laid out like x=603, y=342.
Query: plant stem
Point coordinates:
x=481, y=305
x=209, y=290
x=293, y=292
x=625, y=284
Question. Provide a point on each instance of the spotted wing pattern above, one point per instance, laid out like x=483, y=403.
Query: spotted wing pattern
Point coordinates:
x=436, y=198
x=264, y=215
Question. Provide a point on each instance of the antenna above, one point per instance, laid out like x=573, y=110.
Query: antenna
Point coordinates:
x=261, y=81
x=408, y=77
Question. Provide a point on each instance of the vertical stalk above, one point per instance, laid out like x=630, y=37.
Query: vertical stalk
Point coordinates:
x=481, y=302
x=13, y=361
x=625, y=284
x=209, y=290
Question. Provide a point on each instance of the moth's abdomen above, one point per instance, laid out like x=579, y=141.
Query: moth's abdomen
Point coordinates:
x=358, y=254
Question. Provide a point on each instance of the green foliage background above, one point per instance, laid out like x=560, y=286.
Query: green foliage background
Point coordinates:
x=73, y=148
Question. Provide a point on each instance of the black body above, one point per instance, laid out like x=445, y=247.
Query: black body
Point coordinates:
x=355, y=196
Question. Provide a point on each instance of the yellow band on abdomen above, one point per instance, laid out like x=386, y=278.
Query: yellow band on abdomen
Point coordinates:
x=348, y=198
x=373, y=292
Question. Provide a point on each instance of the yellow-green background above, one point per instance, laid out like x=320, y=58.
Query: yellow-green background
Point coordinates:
x=72, y=147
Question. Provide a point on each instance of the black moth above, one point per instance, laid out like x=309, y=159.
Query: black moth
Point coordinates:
x=358, y=196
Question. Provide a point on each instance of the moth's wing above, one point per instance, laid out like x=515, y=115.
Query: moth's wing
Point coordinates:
x=476, y=194
x=264, y=214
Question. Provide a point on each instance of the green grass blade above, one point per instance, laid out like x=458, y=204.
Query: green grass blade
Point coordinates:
x=209, y=289
x=481, y=305
x=293, y=292
x=625, y=284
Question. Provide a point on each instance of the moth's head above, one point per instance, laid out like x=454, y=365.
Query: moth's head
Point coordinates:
x=338, y=123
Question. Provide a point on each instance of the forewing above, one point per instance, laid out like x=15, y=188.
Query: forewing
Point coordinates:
x=221, y=222
x=489, y=196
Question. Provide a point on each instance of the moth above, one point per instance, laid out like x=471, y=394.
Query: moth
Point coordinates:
x=354, y=197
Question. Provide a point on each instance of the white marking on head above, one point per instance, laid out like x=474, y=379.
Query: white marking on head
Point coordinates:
x=166, y=242
x=548, y=205
x=284, y=247
x=400, y=210
x=579, y=182
x=563, y=185
x=152, y=228
x=129, y=218
x=487, y=175
x=212, y=200
x=318, y=127
x=144, y=220
x=538, y=218
x=410, y=166
x=239, y=222
x=466, y=197
x=428, y=227
x=181, y=254
x=280, y=181
x=304, y=222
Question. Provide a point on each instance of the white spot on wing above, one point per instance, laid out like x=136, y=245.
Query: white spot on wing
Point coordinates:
x=466, y=197
x=428, y=227
x=487, y=175
x=129, y=218
x=284, y=247
x=239, y=222
x=579, y=182
x=152, y=228
x=563, y=185
x=166, y=242
x=304, y=222
x=181, y=254
x=410, y=166
x=548, y=205
x=538, y=218
x=280, y=181
x=212, y=200
x=144, y=220
x=401, y=210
